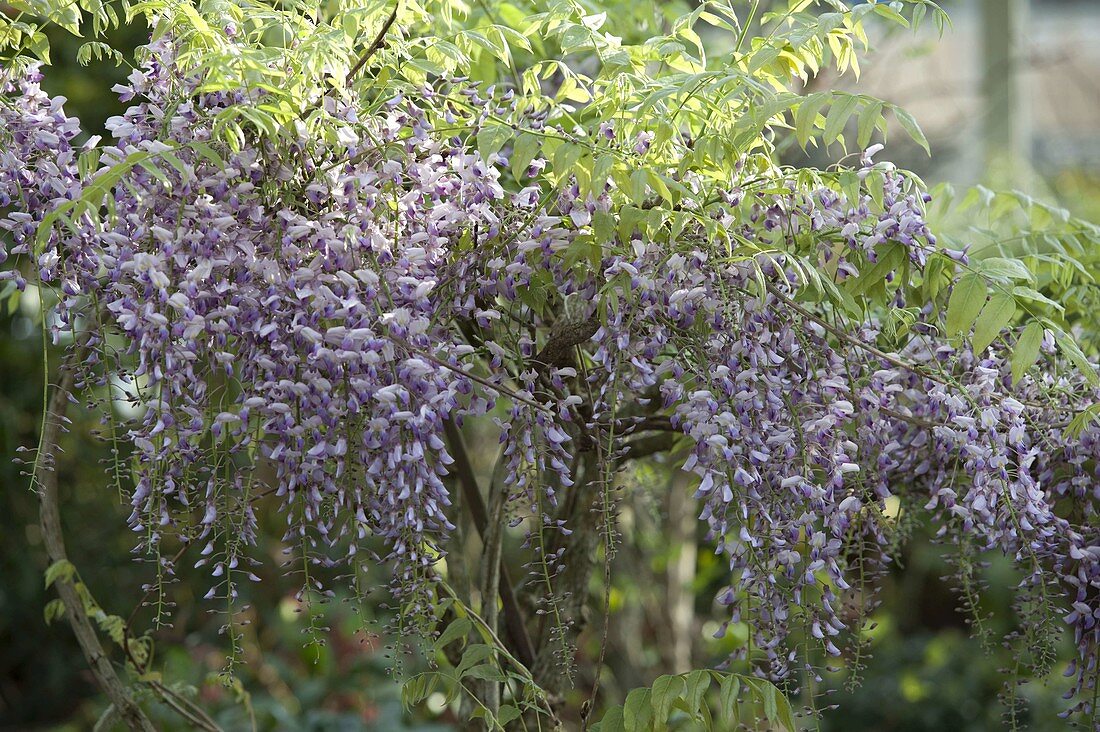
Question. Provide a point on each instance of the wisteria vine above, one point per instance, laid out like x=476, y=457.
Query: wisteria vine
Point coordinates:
x=305, y=318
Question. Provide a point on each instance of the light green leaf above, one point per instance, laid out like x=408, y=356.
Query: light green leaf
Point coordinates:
x=1027, y=293
x=460, y=628
x=1026, y=351
x=637, y=712
x=909, y=123
x=806, y=116
x=839, y=113
x=491, y=138
x=1081, y=420
x=39, y=45
x=995, y=316
x=1003, y=268
x=664, y=692
x=523, y=152
x=54, y=609
x=565, y=157
x=1073, y=352
x=967, y=300
x=62, y=570
x=869, y=117
x=638, y=182
x=727, y=697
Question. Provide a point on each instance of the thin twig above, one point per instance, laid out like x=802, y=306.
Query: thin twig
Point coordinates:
x=373, y=47
x=473, y=377
x=849, y=338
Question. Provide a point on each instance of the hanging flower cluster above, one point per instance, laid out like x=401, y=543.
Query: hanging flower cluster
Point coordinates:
x=304, y=317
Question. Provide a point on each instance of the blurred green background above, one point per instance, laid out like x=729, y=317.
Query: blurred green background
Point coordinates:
x=925, y=671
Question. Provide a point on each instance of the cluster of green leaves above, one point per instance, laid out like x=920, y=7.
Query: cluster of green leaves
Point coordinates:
x=24, y=31
x=680, y=702
x=468, y=653
x=483, y=659
x=1037, y=262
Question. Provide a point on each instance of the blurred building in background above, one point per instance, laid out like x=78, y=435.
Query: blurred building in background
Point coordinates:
x=1010, y=95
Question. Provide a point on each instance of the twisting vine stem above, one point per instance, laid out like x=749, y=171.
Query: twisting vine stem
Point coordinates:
x=45, y=478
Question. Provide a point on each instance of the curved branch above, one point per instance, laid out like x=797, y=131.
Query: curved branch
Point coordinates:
x=379, y=41
x=45, y=479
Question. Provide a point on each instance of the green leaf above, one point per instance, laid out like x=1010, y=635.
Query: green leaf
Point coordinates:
x=1026, y=351
x=664, y=692
x=891, y=14
x=414, y=690
x=934, y=276
x=474, y=654
x=637, y=713
x=995, y=316
x=889, y=259
x=909, y=123
x=658, y=184
x=485, y=672
x=1027, y=293
x=523, y=152
x=698, y=682
x=491, y=139
x=966, y=302
x=1005, y=269
x=638, y=182
x=771, y=705
x=507, y=714
x=776, y=706
x=806, y=117
x=565, y=157
x=1081, y=420
x=727, y=697
x=839, y=113
x=54, y=609
x=612, y=721
x=156, y=172
x=39, y=45
x=208, y=154
x=869, y=117
x=601, y=172
x=62, y=570
x=460, y=628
